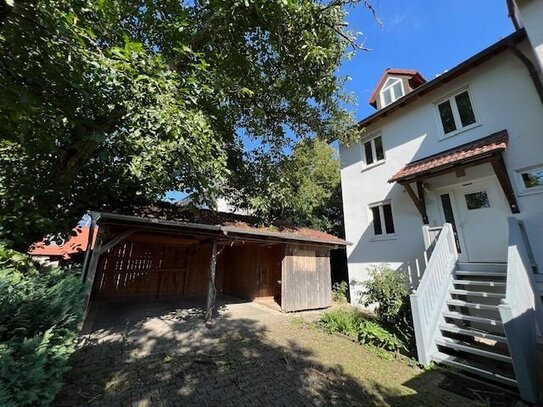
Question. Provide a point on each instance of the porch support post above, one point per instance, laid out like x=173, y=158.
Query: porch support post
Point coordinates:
x=211, y=289
x=498, y=164
x=420, y=191
x=419, y=203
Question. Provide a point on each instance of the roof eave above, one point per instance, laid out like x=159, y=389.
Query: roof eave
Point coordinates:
x=465, y=66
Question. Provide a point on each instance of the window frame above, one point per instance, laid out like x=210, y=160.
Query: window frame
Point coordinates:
x=451, y=98
x=393, y=95
x=523, y=190
x=371, y=139
x=384, y=235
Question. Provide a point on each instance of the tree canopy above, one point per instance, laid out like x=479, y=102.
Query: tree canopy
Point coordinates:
x=110, y=103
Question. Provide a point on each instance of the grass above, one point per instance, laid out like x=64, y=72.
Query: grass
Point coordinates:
x=394, y=381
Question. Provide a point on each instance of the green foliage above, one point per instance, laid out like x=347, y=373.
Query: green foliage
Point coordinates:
x=109, y=104
x=340, y=292
x=39, y=312
x=372, y=333
x=351, y=322
x=302, y=188
x=388, y=290
x=344, y=320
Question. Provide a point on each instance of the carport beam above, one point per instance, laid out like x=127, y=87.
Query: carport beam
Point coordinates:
x=211, y=290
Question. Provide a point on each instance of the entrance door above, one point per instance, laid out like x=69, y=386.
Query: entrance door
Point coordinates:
x=480, y=220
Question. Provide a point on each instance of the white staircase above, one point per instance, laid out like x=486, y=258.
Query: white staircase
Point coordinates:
x=471, y=335
x=481, y=318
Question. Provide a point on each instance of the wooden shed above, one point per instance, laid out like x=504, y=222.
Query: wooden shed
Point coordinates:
x=158, y=254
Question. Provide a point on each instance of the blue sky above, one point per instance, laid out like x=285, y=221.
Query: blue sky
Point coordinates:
x=430, y=36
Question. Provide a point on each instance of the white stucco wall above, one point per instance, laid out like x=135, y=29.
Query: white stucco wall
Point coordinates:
x=530, y=13
x=504, y=97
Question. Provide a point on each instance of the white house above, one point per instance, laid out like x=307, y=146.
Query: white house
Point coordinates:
x=465, y=148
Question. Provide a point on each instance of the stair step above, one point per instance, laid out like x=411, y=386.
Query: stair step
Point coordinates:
x=477, y=293
x=468, y=332
x=481, y=266
x=460, y=346
x=480, y=283
x=473, y=305
x=454, y=362
x=471, y=318
x=471, y=273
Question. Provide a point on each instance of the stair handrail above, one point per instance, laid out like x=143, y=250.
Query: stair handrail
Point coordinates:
x=428, y=299
x=521, y=311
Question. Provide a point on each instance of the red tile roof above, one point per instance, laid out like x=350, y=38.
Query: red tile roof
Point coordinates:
x=468, y=152
x=416, y=79
x=73, y=244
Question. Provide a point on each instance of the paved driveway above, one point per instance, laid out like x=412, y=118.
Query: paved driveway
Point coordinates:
x=160, y=353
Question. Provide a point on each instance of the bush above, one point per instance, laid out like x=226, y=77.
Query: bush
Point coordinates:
x=351, y=322
x=344, y=320
x=39, y=313
x=372, y=333
x=340, y=292
x=388, y=290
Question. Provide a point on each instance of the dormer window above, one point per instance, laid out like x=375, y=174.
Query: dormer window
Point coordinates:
x=392, y=91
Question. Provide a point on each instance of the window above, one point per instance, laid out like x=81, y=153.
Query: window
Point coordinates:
x=456, y=113
x=373, y=150
x=531, y=179
x=383, y=222
x=391, y=91
x=477, y=200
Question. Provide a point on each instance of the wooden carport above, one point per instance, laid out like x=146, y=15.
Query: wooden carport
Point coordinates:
x=140, y=257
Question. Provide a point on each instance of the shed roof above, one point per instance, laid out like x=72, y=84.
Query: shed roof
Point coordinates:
x=168, y=216
x=462, y=154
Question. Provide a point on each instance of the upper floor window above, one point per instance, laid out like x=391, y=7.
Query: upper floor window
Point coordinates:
x=531, y=179
x=373, y=150
x=391, y=91
x=383, y=222
x=456, y=113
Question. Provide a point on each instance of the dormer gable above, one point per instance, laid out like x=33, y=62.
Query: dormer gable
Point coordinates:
x=394, y=84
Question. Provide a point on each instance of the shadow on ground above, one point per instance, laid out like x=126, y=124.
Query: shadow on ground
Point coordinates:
x=161, y=354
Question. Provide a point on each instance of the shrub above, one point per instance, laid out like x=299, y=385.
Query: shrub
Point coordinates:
x=372, y=333
x=349, y=321
x=344, y=320
x=39, y=312
x=340, y=292
x=388, y=290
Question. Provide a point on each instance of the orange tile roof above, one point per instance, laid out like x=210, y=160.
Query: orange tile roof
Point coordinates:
x=73, y=244
x=468, y=152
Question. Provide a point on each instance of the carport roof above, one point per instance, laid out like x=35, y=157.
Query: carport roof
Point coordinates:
x=171, y=217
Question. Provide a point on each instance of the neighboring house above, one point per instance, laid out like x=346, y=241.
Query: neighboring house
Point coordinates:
x=55, y=250
x=464, y=149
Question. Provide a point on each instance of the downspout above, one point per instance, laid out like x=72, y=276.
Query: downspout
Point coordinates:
x=531, y=70
x=94, y=219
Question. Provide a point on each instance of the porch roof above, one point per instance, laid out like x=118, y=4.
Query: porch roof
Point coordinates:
x=451, y=159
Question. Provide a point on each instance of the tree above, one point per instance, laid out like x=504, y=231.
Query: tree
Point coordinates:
x=109, y=104
x=302, y=188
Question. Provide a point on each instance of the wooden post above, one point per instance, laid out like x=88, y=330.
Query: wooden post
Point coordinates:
x=211, y=290
x=498, y=164
x=421, y=205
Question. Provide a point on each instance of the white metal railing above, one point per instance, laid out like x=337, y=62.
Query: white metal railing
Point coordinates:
x=521, y=311
x=428, y=299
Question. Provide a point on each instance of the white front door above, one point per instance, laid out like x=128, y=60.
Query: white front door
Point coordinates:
x=480, y=212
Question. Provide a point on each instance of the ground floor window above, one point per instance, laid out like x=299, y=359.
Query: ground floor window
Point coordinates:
x=382, y=219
